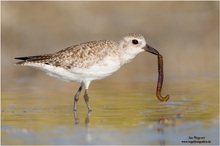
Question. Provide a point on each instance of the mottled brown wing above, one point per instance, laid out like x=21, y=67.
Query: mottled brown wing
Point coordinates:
x=82, y=55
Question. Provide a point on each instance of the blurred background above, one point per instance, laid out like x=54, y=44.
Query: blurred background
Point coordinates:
x=35, y=106
x=185, y=33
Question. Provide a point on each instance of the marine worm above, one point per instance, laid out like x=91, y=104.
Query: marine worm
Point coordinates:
x=160, y=80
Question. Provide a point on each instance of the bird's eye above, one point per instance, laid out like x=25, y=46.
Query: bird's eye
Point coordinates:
x=135, y=42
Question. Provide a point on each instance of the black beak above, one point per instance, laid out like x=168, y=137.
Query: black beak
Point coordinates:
x=151, y=50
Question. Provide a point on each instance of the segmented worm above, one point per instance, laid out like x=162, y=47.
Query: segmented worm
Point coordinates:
x=160, y=79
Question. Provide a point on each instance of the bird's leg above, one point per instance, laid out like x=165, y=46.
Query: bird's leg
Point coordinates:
x=87, y=118
x=76, y=98
x=76, y=119
x=86, y=98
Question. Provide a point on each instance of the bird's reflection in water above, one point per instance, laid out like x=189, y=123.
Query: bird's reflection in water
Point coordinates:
x=77, y=121
x=84, y=128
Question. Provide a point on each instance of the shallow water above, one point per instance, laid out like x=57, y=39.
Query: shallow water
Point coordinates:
x=122, y=114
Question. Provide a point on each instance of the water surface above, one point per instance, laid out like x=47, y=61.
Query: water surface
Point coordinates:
x=120, y=115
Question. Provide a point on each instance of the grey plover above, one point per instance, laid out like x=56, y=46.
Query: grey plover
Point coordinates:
x=89, y=61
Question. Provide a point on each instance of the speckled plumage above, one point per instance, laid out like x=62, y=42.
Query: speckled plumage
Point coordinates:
x=89, y=61
x=81, y=56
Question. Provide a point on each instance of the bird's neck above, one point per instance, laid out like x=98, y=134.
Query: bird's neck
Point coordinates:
x=126, y=57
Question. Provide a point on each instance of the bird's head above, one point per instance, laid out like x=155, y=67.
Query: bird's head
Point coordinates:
x=134, y=43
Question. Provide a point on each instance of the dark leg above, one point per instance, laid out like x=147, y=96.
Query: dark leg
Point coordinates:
x=86, y=98
x=87, y=118
x=76, y=119
x=76, y=98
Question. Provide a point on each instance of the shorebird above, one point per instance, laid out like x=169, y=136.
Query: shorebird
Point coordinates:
x=89, y=61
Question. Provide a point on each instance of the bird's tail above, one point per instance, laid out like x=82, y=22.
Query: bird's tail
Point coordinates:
x=32, y=59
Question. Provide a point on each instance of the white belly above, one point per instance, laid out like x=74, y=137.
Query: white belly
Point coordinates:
x=94, y=72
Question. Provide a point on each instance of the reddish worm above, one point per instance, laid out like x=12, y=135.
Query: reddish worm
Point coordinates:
x=160, y=80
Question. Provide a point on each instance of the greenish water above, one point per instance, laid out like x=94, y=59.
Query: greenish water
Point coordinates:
x=121, y=115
